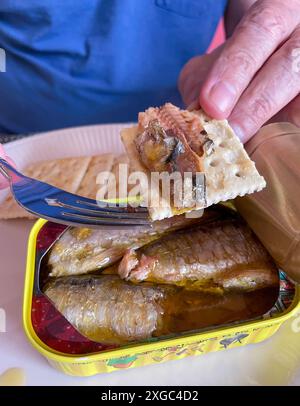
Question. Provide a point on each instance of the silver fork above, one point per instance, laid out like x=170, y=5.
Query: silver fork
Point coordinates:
x=51, y=203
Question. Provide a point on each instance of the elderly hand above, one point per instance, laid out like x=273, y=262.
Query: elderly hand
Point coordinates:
x=255, y=74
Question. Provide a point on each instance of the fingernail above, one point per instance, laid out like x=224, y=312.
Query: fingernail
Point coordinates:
x=223, y=96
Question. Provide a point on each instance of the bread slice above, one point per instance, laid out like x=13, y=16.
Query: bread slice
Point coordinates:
x=228, y=170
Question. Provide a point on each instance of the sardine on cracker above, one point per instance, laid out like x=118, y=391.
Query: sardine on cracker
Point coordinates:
x=170, y=140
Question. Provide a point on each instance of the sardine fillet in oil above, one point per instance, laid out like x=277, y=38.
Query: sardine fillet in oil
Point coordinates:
x=83, y=250
x=109, y=310
x=171, y=140
x=220, y=256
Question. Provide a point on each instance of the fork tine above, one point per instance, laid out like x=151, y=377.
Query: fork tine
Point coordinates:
x=68, y=217
x=104, y=220
x=54, y=197
x=98, y=205
x=48, y=205
x=121, y=214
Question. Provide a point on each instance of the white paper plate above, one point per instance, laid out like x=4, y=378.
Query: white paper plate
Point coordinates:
x=70, y=142
x=272, y=362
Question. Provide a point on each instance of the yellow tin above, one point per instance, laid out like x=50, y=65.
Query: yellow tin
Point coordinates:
x=150, y=352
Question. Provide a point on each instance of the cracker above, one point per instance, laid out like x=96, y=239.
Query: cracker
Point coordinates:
x=64, y=173
x=229, y=172
x=89, y=187
x=123, y=160
x=113, y=188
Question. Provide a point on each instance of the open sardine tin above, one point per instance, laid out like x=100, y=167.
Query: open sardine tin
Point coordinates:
x=72, y=353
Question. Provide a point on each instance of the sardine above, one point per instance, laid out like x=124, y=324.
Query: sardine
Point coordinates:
x=220, y=256
x=109, y=310
x=83, y=250
x=171, y=140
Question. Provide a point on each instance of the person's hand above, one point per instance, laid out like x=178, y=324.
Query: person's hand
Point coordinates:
x=255, y=77
x=3, y=181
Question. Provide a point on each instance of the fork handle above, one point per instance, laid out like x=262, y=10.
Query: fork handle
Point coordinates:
x=8, y=171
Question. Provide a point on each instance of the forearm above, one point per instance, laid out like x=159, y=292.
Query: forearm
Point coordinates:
x=234, y=13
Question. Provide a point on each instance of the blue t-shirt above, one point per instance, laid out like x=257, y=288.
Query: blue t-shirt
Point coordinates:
x=77, y=62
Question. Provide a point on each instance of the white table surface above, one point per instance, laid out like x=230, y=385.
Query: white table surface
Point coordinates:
x=273, y=362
